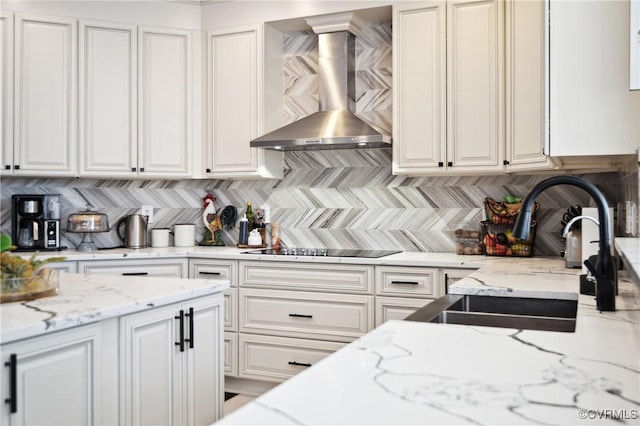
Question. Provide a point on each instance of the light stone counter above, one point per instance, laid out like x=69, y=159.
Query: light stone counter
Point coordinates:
x=84, y=299
x=399, y=259
x=421, y=373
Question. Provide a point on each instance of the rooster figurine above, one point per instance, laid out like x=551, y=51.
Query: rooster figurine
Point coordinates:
x=212, y=223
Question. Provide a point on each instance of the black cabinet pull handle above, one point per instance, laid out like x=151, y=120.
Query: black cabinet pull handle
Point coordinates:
x=450, y=164
x=405, y=282
x=505, y=162
x=301, y=315
x=209, y=273
x=208, y=170
x=190, y=339
x=440, y=164
x=133, y=169
x=301, y=364
x=446, y=283
x=7, y=167
x=180, y=317
x=13, y=383
x=142, y=169
x=135, y=273
x=17, y=167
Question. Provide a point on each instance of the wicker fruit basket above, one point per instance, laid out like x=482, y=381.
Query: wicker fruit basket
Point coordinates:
x=499, y=212
x=498, y=240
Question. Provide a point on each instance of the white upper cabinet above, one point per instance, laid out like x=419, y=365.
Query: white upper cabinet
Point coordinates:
x=6, y=90
x=108, y=112
x=45, y=84
x=592, y=112
x=448, y=87
x=568, y=102
x=419, y=88
x=475, y=85
x=525, y=86
x=236, y=105
x=135, y=101
x=164, y=110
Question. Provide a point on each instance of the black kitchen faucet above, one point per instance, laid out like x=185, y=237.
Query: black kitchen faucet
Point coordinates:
x=604, y=270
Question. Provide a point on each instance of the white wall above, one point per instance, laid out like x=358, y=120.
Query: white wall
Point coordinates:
x=233, y=13
x=149, y=12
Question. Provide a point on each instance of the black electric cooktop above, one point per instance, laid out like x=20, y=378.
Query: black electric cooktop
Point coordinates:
x=295, y=251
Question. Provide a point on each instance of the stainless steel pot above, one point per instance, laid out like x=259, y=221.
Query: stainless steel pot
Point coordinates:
x=135, y=231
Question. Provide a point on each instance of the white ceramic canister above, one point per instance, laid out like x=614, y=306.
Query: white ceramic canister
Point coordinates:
x=160, y=237
x=184, y=235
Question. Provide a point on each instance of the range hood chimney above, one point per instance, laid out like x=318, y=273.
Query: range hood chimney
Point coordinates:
x=335, y=126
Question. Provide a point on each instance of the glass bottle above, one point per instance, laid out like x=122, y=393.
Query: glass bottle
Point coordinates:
x=251, y=217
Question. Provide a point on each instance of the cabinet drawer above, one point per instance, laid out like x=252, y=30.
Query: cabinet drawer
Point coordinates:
x=396, y=308
x=279, y=358
x=307, y=276
x=154, y=267
x=231, y=354
x=406, y=281
x=206, y=268
x=339, y=317
x=231, y=309
x=64, y=266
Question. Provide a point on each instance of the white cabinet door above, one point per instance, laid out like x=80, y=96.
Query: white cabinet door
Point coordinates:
x=526, y=86
x=475, y=85
x=150, y=368
x=164, y=110
x=592, y=111
x=235, y=99
x=6, y=91
x=45, y=96
x=204, y=361
x=419, y=87
x=108, y=109
x=449, y=87
x=171, y=365
x=56, y=379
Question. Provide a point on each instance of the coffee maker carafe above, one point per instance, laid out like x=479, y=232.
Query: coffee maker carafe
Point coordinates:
x=35, y=222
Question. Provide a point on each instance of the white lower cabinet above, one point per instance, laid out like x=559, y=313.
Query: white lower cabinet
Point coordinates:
x=171, y=364
x=231, y=354
x=293, y=314
x=401, y=290
x=279, y=358
x=54, y=379
x=146, y=267
x=64, y=266
x=228, y=269
x=396, y=308
x=326, y=316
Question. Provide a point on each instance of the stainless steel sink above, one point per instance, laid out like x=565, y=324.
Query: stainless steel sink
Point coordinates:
x=525, y=313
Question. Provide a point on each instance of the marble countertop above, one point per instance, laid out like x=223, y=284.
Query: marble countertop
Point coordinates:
x=629, y=249
x=421, y=373
x=84, y=299
x=399, y=259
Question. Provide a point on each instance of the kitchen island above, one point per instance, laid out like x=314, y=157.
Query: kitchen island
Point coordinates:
x=115, y=350
x=423, y=373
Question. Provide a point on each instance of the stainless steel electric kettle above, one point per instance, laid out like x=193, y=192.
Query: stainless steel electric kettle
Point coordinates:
x=135, y=231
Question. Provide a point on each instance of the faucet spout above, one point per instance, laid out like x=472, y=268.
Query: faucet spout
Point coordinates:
x=605, y=269
x=565, y=231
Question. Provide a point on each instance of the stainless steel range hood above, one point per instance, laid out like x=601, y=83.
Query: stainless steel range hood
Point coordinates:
x=335, y=126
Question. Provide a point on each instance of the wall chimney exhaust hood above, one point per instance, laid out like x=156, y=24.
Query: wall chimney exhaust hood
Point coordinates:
x=336, y=125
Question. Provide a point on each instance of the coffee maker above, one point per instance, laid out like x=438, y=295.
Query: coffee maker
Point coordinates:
x=35, y=222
